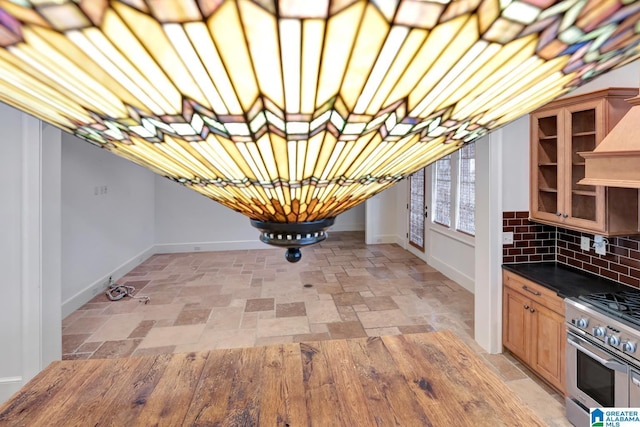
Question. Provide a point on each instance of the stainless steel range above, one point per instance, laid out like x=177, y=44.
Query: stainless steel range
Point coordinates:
x=603, y=360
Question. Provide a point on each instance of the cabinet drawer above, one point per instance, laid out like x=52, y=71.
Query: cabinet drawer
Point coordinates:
x=534, y=291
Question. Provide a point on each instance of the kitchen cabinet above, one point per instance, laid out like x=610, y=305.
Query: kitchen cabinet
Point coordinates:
x=559, y=132
x=533, y=327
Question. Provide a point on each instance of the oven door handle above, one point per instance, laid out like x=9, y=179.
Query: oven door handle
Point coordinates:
x=609, y=363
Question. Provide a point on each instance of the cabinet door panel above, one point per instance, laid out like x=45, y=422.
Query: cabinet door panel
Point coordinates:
x=584, y=129
x=516, y=320
x=548, y=345
x=546, y=160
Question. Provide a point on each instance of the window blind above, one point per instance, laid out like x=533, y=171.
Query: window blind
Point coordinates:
x=467, y=190
x=442, y=213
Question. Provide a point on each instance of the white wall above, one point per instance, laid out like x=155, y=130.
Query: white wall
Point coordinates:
x=186, y=220
x=51, y=223
x=453, y=256
x=29, y=248
x=104, y=234
x=515, y=165
x=402, y=218
x=351, y=220
x=382, y=211
x=11, y=250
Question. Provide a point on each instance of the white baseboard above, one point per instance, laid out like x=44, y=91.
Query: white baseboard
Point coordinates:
x=382, y=238
x=237, y=245
x=456, y=275
x=9, y=380
x=349, y=226
x=85, y=295
x=8, y=387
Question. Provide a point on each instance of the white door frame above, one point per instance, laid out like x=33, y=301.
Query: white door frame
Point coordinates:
x=38, y=319
x=31, y=246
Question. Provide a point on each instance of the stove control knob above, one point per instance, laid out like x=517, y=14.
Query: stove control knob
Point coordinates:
x=599, y=331
x=629, y=347
x=614, y=340
x=582, y=322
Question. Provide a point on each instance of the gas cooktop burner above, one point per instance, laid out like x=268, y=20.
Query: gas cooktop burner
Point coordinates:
x=617, y=306
x=624, y=304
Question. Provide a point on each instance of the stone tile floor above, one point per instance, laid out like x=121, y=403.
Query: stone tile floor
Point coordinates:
x=341, y=288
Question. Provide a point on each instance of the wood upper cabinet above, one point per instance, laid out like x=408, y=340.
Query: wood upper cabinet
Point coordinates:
x=559, y=131
x=533, y=327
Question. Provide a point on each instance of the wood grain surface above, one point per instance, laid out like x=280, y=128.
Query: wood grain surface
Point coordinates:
x=430, y=379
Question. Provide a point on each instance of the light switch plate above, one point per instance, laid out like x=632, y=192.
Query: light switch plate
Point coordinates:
x=585, y=242
x=507, y=238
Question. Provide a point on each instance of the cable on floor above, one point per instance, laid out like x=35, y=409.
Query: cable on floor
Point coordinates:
x=116, y=292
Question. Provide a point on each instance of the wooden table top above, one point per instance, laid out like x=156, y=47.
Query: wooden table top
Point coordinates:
x=430, y=379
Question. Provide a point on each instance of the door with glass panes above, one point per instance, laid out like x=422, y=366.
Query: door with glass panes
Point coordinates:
x=417, y=207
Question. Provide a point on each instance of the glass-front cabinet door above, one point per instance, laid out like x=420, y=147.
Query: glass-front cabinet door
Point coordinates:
x=559, y=132
x=547, y=154
x=584, y=130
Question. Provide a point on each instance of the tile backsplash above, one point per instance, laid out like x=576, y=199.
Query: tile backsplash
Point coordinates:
x=621, y=262
x=531, y=242
x=536, y=242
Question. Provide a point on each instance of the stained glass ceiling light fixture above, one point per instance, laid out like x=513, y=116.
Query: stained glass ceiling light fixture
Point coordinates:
x=293, y=111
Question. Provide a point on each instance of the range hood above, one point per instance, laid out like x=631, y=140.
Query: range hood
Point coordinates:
x=615, y=162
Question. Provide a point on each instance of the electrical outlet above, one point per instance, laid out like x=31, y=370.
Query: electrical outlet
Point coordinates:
x=196, y=248
x=585, y=243
x=600, y=244
x=507, y=238
x=107, y=283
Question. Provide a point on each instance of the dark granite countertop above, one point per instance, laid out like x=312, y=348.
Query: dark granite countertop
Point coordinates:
x=566, y=281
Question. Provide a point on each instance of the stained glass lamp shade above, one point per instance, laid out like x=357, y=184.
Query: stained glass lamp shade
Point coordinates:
x=294, y=111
